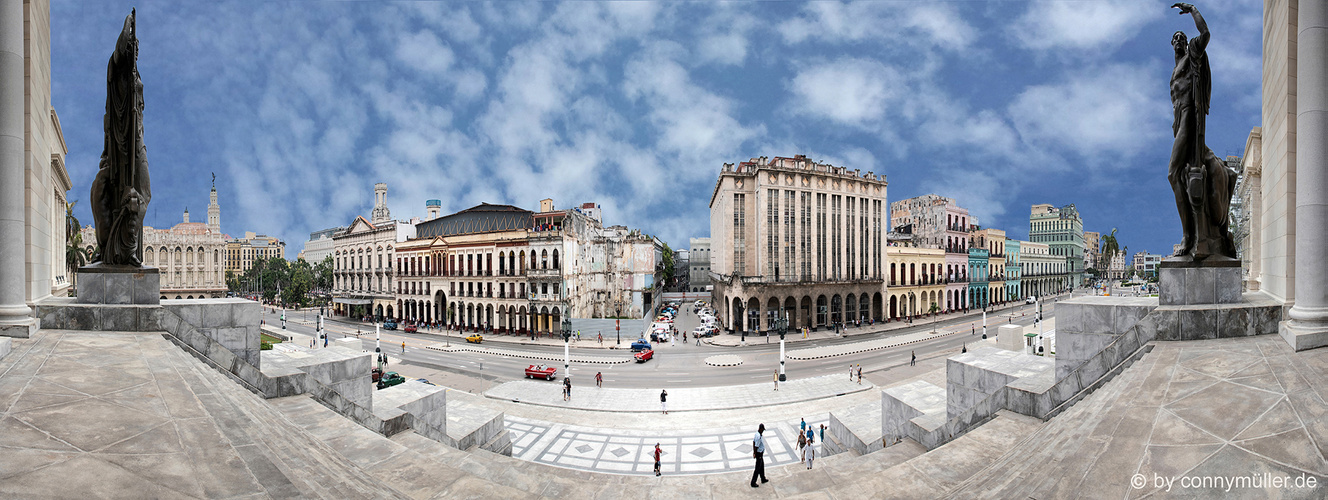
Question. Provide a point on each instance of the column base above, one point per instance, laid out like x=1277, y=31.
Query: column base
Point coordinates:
x=21, y=329
x=1302, y=335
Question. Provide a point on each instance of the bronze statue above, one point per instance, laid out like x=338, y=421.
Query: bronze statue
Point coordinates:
x=1203, y=184
x=121, y=190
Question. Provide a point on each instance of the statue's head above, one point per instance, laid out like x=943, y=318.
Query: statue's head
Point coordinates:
x=1179, y=42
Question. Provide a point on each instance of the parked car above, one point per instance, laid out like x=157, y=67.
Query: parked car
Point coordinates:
x=640, y=345
x=390, y=379
x=475, y=339
x=412, y=328
x=389, y=325
x=541, y=371
x=645, y=355
x=1031, y=299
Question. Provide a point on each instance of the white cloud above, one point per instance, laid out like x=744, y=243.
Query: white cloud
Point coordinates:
x=854, y=92
x=423, y=51
x=1102, y=111
x=1099, y=24
x=726, y=48
x=907, y=23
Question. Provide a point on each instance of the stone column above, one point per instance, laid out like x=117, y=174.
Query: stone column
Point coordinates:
x=15, y=315
x=1308, y=324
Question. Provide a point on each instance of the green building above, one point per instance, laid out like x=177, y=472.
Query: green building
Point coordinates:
x=1063, y=230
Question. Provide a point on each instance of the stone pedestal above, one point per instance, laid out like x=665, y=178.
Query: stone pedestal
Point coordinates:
x=1197, y=283
x=118, y=285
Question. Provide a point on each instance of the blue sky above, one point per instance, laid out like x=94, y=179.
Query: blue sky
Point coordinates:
x=300, y=107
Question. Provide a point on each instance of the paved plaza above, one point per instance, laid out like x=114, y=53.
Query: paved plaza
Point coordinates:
x=585, y=396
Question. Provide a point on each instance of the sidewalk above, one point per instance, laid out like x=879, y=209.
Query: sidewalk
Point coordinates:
x=585, y=396
x=576, y=358
x=993, y=317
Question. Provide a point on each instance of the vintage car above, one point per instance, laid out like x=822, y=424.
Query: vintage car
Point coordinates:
x=640, y=345
x=390, y=379
x=389, y=325
x=541, y=371
x=475, y=339
x=646, y=355
x=376, y=374
x=412, y=328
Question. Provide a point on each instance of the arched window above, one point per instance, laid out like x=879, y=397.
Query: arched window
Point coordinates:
x=555, y=259
x=544, y=259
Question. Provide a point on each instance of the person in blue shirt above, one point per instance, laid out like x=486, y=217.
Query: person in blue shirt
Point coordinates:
x=758, y=449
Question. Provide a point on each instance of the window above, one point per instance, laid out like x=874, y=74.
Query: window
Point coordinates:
x=772, y=233
x=739, y=234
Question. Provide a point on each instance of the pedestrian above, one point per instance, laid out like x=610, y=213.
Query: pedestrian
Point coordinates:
x=601, y=338
x=914, y=360
x=973, y=330
x=802, y=446
x=810, y=452
x=802, y=425
x=658, y=452
x=822, y=433
x=567, y=388
x=403, y=347
x=850, y=373
x=776, y=380
x=859, y=374
x=599, y=379
x=664, y=401
x=965, y=349
x=758, y=449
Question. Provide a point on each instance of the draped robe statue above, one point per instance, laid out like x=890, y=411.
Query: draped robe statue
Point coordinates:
x=1202, y=183
x=121, y=190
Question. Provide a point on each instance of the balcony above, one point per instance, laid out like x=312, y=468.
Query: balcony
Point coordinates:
x=549, y=272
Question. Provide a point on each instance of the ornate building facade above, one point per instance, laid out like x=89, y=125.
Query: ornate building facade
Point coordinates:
x=1062, y=229
x=795, y=239
x=362, y=257
x=939, y=222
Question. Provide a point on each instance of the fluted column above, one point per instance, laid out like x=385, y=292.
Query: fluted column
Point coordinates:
x=1308, y=326
x=15, y=315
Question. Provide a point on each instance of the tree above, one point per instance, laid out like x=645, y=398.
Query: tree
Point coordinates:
x=75, y=255
x=668, y=265
x=323, y=275
x=300, y=281
x=1109, y=248
x=934, y=309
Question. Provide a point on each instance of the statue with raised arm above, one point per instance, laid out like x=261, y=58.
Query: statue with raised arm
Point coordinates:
x=121, y=190
x=1202, y=183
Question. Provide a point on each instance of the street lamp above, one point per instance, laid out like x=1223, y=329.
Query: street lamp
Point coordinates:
x=567, y=337
x=781, y=325
x=283, y=316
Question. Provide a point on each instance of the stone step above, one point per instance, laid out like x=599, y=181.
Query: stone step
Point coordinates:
x=282, y=457
x=1058, y=450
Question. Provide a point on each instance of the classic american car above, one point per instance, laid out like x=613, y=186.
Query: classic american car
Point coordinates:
x=541, y=371
x=646, y=355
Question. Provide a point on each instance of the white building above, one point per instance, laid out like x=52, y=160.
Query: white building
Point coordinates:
x=699, y=265
x=1041, y=273
x=319, y=246
x=362, y=257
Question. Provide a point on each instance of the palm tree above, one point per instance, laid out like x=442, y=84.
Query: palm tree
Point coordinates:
x=75, y=255
x=934, y=309
x=1109, y=248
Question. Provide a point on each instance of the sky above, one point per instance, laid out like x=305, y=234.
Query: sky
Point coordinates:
x=299, y=107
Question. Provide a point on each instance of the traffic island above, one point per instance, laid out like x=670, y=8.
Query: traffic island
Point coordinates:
x=724, y=360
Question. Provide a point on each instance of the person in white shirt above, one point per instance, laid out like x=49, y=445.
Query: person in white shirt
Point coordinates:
x=758, y=449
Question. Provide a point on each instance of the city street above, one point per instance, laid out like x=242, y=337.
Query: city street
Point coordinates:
x=680, y=365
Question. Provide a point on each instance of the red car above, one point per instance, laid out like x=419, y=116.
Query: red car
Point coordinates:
x=646, y=355
x=541, y=371
x=411, y=328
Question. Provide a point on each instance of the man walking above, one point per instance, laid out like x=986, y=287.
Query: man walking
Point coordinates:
x=403, y=347
x=776, y=379
x=758, y=449
x=914, y=360
x=599, y=379
x=664, y=401
x=859, y=374
x=567, y=388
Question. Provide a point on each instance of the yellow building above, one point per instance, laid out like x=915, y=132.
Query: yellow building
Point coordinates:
x=915, y=280
x=242, y=252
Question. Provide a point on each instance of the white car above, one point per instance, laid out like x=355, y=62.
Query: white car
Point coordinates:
x=1031, y=299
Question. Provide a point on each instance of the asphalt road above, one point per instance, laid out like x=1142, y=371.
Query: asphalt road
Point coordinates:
x=681, y=365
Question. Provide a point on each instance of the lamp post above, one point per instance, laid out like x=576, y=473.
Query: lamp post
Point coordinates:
x=378, y=340
x=781, y=325
x=283, y=317
x=984, y=319
x=567, y=337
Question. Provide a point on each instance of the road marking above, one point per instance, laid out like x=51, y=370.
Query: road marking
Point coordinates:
x=678, y=381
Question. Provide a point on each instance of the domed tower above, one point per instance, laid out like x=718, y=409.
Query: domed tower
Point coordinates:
x=380, y=212
x=214, y=210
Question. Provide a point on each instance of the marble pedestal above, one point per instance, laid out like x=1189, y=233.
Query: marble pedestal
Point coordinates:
x=1182, y=283
x=118, y=285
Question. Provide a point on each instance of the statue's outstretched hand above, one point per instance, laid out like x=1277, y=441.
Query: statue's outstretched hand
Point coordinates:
x=1185, y=8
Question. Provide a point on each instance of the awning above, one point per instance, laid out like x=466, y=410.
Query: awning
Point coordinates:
x=352, y=301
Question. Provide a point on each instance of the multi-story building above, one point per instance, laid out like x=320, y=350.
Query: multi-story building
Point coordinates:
x=798, y=240
x=994, y=241
x=699, y=266
x=1116, y=265
x=1145, y=264
x=190, y=255
x=508, y=269
x=1092, y=249
x=319, y=246
x=1041, y=273
x=1062, y=230
x=916, y=281
x=362, y=257
x=938, y=222
x=979, y=274
x=1247, y=224
x=242, y=252
x=1013, y=290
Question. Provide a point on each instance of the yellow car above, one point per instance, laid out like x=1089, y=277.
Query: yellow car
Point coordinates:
x=476, y=338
